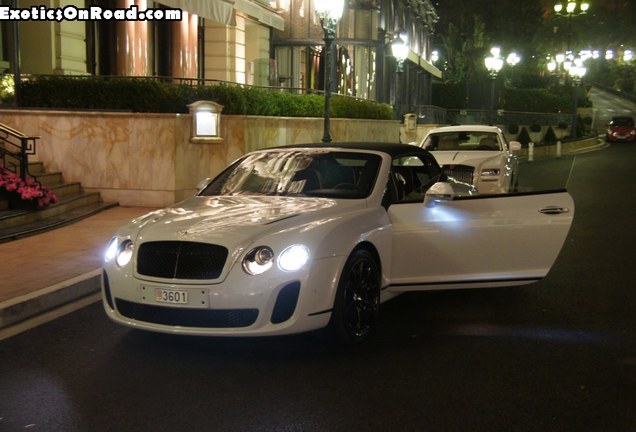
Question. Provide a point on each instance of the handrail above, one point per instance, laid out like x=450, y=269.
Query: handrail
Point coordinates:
x=15, y=148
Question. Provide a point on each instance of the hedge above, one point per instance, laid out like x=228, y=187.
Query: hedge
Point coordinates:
x=151, y=95
x=453, y=96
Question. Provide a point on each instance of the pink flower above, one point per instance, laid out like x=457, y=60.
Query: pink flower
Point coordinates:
x=28, y=190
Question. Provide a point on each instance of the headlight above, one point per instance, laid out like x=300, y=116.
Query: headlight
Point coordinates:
x=293, y=258
x=490, y=172
x=124, y=253
x=120, y=252
x=258, y=260
x=111, y=250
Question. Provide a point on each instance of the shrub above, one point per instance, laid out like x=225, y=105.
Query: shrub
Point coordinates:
x=151, y=95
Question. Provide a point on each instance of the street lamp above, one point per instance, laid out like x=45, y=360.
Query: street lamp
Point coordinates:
x=434, y=56
x=628, y=55
x=576, y=71
x=572, y=9
x=329, y=12
x=513, y=59
x=400, y=50
x=494, y=62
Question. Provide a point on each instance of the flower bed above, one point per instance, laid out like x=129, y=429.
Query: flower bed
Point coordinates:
x=28, y=192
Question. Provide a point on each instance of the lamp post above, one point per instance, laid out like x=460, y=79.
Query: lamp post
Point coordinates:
x=553, y=69
x=628, y=55
x=494, y=62
x=400, y=50
x=572, y=9
x=434, y=56
x=512, y=60
x=577, y=71
x=329, y=12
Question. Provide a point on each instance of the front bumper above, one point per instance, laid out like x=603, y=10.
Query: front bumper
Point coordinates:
x=242, y=305
x=621, y=137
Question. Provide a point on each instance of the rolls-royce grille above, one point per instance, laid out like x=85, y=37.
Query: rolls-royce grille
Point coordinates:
x=181, y=260
x=461, y=173
x=187, y=317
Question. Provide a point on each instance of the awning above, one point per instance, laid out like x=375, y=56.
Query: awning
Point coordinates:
x=222, y=11
x=217, y=10
x=424, y=64
x=263, y=15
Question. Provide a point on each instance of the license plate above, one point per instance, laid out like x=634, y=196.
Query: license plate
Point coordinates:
x=171, y=296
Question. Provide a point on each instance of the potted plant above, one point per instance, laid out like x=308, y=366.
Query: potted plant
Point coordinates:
x=25, y=193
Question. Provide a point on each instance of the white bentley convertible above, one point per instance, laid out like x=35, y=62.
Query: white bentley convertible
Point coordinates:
x=298, y=238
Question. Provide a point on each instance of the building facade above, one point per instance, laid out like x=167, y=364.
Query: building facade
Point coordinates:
x=276, y=43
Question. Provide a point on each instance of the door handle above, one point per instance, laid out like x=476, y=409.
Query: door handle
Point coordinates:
x=551, y=210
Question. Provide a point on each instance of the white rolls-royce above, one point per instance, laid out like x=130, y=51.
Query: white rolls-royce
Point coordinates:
x=475, y=154
x=294, y=239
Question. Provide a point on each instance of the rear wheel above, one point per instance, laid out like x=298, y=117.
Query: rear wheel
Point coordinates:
x=357, y=301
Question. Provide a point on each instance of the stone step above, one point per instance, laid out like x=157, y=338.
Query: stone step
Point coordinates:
x=73, y=204
x=11, y=218
x=47, y=221
x=36, y=167
x=49, y=178
x=64, y=189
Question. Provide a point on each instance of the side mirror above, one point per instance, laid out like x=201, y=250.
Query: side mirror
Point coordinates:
x=203, y=184
x=440, y=191
x=515, y=146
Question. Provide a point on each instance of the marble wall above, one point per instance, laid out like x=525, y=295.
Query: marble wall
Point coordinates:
x=148, y=160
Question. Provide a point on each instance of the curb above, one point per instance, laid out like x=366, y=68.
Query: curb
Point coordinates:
x=29, y=305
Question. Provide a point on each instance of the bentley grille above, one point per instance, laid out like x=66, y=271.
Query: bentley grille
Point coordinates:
x=181, y=260
x=461, y=173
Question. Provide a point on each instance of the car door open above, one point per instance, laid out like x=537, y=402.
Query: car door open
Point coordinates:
x=480, y=241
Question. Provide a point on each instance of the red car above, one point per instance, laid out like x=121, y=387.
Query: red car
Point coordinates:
x=621, y=129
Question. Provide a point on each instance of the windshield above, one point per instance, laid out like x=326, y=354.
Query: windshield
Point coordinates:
x=622, y=121
x=461, y=141
x=316, y=173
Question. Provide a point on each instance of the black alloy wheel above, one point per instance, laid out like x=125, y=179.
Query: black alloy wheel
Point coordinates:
x=357, y=302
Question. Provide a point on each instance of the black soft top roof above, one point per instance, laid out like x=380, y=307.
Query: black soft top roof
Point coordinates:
x=392, y=149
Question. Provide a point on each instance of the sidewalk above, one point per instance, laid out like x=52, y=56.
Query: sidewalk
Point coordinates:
x=48, y=270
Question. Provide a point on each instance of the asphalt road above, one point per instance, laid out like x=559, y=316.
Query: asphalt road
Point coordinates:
x=559, y=355
x=606, y=106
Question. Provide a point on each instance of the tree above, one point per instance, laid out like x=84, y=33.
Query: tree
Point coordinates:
x=509, y=24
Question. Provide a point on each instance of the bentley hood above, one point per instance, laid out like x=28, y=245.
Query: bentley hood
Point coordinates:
x=232, y=221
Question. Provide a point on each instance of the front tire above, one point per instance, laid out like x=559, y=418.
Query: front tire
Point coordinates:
x=357, y=301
